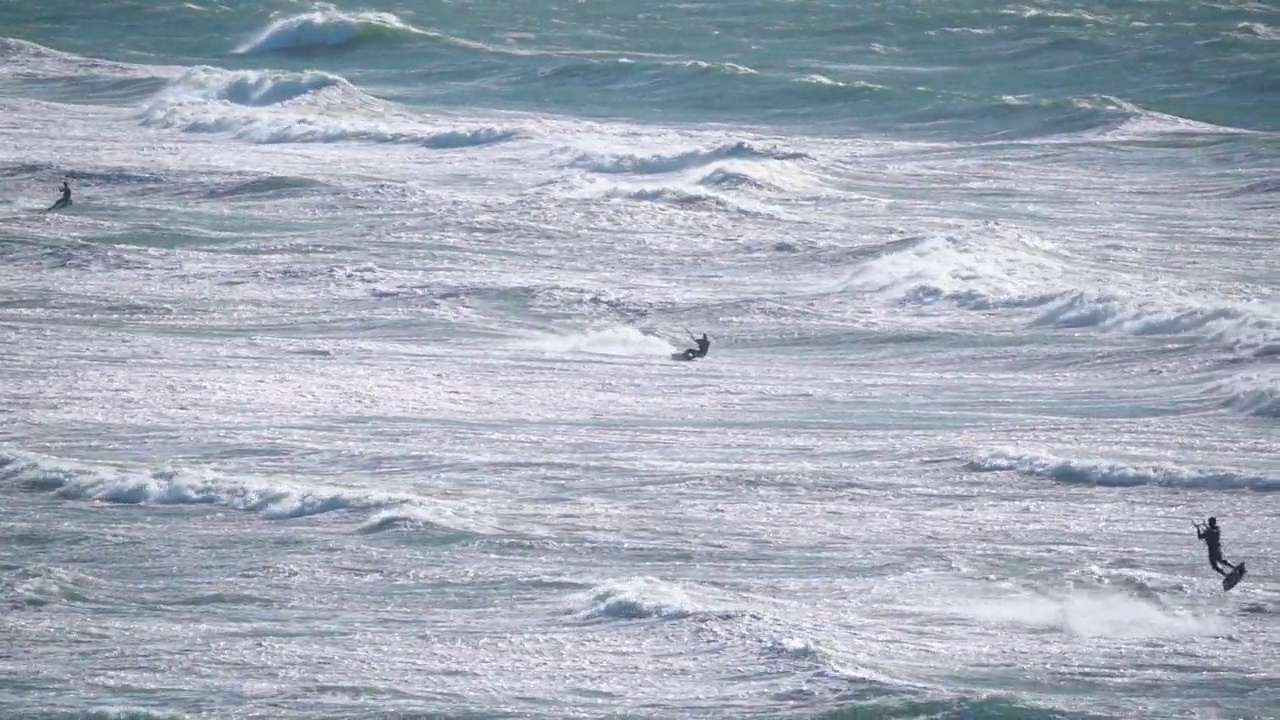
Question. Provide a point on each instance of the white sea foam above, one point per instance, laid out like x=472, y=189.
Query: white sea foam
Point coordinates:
x=1095, y=615
x=314, y=107
x=333, y=369
x=276, y=500
x=609, y=340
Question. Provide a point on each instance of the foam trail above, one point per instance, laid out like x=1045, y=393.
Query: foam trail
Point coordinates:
x=1092, y=615
x=612, y=340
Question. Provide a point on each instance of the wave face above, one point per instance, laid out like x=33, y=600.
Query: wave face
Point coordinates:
x=328, y=28
x=354, y=381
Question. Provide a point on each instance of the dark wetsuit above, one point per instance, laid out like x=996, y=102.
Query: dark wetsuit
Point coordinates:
x=65, y=200
x=701, y=351
x=1211, y=536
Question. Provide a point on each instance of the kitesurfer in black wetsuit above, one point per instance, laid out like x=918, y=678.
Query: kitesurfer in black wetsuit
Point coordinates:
x=701, y=351
x=65, y=200
x=1209, y=534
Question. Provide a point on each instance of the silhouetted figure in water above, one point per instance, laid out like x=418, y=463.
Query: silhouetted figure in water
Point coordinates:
x=65, y=200
x=701, y=351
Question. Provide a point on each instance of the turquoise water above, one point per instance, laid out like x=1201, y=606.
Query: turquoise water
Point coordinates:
x=344, y=388
x=937, y=69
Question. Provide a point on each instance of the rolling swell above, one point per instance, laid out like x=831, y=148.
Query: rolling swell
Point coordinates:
x=987, y=708
x=271, y=186
x=924, y=92
x=73, y=79
x=912, y=97
x=694, y=89
x=1003, y=71
x=1038, y=118
x=22, y=58
x=667, y=163
x=108, y=713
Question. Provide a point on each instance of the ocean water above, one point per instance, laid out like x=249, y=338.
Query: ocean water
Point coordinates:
x=344, y=388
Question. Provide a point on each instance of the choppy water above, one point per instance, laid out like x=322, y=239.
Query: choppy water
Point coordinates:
x=344, y=390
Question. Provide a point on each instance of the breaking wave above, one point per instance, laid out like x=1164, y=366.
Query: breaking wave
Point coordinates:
x=1255, y=394
x=1240, y=327
x=273, y=499
x=646, y=598
x=1004, y=269
x=327, y=28
x=1112, y=474
x=286, y=107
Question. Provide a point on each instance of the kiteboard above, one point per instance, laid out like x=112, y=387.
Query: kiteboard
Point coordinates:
x=1233, y=578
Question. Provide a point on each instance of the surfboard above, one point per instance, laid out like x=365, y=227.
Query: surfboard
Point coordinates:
x=683, y=357
x=1233, y=578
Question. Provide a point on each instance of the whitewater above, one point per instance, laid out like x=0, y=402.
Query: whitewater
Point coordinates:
x=344, y=388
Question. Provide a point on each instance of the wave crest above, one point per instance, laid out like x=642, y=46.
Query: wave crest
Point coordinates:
x=275, y=500
x=288, y=107
x=327, y=28
x=253, y=88
x=646, y=598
